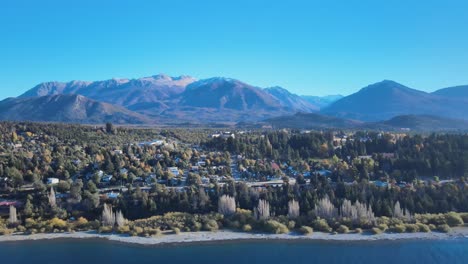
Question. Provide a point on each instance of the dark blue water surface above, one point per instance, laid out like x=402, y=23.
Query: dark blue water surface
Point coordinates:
x=100, y=251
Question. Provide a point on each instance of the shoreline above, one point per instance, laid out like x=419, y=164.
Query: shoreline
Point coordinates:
x=232, y=236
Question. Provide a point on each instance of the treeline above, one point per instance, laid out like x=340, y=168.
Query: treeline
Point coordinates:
x=400, y=157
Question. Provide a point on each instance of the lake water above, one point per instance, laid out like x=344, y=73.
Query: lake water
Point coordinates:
x=99, y=251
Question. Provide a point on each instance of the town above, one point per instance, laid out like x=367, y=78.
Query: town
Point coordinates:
x=71, y=172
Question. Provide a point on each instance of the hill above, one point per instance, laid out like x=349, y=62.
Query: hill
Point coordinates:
x=311, y=121
x=387, y=99
x=66, y=108
x=423, y=123
x=458, y=92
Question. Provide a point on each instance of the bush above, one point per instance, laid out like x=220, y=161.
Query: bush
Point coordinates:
x=399, y=228
x=322, y=225
x=81, y=222
x=247, y=228
x=306, y=230
x=138, y=230
x=105, y=229
x=411, y=228
x=423, y=228
x=6, y=231
x=444, y=228
x=358, y=230
x=291, y=224
x=376, y=231
x=211, y=225
x=453, y=219
x=342, y=229
x=276, y=227
x=153, y=231
x=383, y=227
x=176, y=230
x=29, y=223
x=432, y=227
x=21, y=228
x=464, y=217
x=57, y=223
x=123, y=229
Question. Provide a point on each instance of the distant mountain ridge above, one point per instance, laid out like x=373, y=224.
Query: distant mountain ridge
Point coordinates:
x=399, y=123
x=321, y=102
x=66, y=108
x=164, y=99
x=454, y=92
x=123, y=92
x=387, y=99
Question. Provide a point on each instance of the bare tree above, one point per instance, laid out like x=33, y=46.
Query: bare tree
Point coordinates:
x=52, y=198
x=293, y=209
x=364, y=213
x=325, y=209
x=119, y=219
x=108, y=217
x=357, y=212
x=347, y=210
x=226, y=205
x=400, y=213
x=13, y=217
x=262, y=211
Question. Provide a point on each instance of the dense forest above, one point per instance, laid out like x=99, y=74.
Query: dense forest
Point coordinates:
x=146, y=181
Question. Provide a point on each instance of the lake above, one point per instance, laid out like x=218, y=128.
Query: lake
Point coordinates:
x=100, y=251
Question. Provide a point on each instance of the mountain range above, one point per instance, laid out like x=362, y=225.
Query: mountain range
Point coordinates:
x=387, y=99
x=170, y=100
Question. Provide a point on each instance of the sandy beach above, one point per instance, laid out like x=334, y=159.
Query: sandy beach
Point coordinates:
x=194, y=237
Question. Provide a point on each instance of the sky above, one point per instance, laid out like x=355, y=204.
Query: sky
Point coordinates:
x=308, y=47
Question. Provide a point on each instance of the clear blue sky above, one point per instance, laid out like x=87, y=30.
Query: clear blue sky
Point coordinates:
x=309, y=47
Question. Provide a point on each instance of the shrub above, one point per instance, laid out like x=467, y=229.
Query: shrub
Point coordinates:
x=383, y=227
x=57, y=223
x=6, y=231
x=423, y=228
x=276, y=227
x=411, y=228
x=176, y=230
x=247, y=228
x=211, y=225
x=444, y=228
x=123, y=229
x=105, y=229
x=21, y=228
x=29, y=223
x=399, y=228
x=138, y=230
x=358, y=230
x=291, y=224
x=376, y=231
x=453, y=219
x=81, y=222
x=432, y=226
x=196, y=226
x=322, y=225
x=153, y=231
x=306, y=230
x=342, y=229
x=464, y=217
